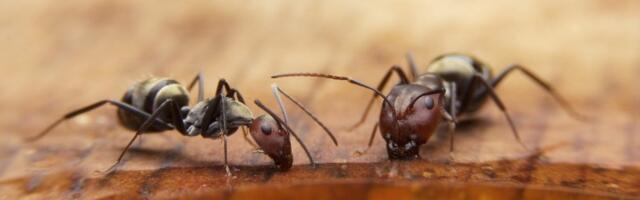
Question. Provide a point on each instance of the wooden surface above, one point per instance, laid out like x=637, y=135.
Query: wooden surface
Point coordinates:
x=58, y=55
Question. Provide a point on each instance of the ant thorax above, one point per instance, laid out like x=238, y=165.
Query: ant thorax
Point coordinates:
x=236, y=114
x=193, y=119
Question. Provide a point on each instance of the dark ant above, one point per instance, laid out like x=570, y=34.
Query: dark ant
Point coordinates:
x=161, y=104
x=454, y=84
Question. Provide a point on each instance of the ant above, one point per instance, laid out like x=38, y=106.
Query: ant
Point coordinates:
x=453, y=85
x=161, y=104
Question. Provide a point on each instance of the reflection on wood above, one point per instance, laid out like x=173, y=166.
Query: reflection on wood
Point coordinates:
x=528, y=178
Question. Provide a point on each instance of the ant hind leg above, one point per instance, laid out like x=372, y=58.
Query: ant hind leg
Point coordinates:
x=501, y=106
x=546, y=86
x=175, y=113
x=74, y=113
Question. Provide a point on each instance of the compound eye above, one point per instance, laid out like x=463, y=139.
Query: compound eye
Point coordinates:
x=266, y=129
x=428, y=102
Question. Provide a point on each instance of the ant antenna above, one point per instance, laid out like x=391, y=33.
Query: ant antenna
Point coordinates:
x=352, y=81
x=287, y=128
x=277, y=91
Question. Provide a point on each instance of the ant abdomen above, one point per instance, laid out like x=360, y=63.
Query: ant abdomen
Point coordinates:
x=147, y=95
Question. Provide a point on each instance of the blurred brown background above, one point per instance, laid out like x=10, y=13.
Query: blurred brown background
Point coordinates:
x=58, y=55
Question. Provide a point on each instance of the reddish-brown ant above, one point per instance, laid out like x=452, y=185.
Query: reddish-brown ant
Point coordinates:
x=454, y=84
x=161, y=104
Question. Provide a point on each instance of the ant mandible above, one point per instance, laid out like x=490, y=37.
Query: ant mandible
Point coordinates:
x=161, y=104
x=454, y=84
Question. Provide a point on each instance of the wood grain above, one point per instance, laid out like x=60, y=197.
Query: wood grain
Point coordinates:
x=57, y=56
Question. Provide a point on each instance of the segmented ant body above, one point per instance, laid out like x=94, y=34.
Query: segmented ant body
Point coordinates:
x=453, y=85
x=161, y=104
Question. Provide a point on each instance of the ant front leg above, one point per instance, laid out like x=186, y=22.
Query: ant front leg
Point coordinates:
x=223, y=84
x=235, y=94
x=214, y=105
x=451, y=117
x=381, y=85
x=371, y=137
x=452, y=127
x=126, y=107
x=174, y=111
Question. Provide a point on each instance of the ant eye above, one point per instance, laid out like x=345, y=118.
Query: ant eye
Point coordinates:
x=266, y=129
x=428, y=101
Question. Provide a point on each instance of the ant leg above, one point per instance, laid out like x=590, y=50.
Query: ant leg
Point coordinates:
x=226, y=163
x=373, y=134
x=223, y=126
x=123, y=106
x=214, y=106
x=288, y=129
x=547, y=87
x=452, y=127
x=381, y=85
x=500, y=105
x=175, y=112
x=245, y=134
x=467, y=97
x=452, y=118
x=200, y=80
x=277, y=91
x=412, y=66
x=235, y=94
x=223, y=84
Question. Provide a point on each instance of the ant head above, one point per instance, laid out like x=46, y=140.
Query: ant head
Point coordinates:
x=273, y=140
x=418, y=111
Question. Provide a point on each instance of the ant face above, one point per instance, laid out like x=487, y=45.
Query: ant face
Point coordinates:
x=273, y=140
x=417, y=119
